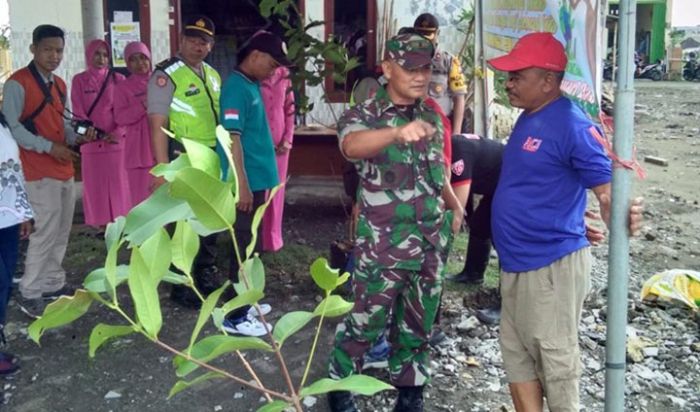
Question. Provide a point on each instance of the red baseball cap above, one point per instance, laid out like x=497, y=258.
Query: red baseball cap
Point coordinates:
x=540, y=49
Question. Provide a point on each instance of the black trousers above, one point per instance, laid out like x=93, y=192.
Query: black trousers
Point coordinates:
x=242, y=229
x=206, y=256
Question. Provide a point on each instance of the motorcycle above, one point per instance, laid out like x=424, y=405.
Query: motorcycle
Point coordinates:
x=654, y=71
x=691, y=69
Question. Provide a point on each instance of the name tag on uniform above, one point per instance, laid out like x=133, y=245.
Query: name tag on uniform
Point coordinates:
x=192, y=90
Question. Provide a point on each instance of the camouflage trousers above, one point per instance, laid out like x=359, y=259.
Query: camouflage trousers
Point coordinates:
x=411, y=298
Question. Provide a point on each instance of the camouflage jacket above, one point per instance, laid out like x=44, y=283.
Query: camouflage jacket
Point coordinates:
x=447, y=80
x=400, y=188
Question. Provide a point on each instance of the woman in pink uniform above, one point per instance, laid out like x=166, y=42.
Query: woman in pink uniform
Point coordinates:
x=130, y=113
x=105, y=185
x=280, y=116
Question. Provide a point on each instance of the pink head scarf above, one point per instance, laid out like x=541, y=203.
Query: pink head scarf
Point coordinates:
x=136, y=82
x=136, y=47
x=90, y=52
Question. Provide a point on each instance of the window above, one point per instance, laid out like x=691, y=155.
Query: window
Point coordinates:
x=354, y=24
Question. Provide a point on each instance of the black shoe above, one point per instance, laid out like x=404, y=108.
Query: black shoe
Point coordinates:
x=489, y=316
x=185, y=297
x=468, y=278
x=65, y=290
x=208, y=279
x=33, y=308
x=437, y=337
x=410, y=399
x=342, y=401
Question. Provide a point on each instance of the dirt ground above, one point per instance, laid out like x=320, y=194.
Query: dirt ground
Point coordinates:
x=134, y=375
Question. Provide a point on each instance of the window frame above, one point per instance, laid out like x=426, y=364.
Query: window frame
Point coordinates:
x=334, y=95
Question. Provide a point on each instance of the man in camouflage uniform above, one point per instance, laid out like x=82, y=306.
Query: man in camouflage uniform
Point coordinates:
x=448, y=86
x=395, y=141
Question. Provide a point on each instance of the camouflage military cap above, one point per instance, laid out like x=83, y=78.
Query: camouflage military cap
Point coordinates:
x=409, y=50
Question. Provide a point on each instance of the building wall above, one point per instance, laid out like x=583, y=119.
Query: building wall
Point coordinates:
x=25, y=15
x=160, y=30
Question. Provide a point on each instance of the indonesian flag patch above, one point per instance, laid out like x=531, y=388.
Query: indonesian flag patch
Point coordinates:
x=230, y=114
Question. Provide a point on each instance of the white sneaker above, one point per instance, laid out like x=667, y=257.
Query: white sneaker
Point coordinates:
x=250, y=326
x=264, y=308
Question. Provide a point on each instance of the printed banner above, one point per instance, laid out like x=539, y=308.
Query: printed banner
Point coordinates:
x=121, y=35
x=573, y=22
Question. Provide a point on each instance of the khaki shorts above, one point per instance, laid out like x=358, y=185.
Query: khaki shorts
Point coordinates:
x=541, y=310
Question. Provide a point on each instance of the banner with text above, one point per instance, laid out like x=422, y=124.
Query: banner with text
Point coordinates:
x=574, y=22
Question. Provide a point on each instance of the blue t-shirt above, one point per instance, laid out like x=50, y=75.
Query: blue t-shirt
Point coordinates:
x=549, y=161
x=243, y=112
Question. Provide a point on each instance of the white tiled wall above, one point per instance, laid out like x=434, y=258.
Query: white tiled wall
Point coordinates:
x=160, y=30
x=73, y=54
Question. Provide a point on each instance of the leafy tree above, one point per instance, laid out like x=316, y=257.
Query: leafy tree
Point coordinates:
x=5, y=37
x=676, y=36
x=196, y=201
x=314, y=59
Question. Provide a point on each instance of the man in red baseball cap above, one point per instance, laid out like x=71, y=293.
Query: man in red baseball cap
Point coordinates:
x=550, y=161
x=536, y=56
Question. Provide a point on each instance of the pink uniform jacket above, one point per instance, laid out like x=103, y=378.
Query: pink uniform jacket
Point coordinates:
x=105, y=187
x=130, y=113
x=280, y=116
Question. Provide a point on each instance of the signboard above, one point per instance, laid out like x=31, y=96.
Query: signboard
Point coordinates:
x=575, y=23
x=122, y=34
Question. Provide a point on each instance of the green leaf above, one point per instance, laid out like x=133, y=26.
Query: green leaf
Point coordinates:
x=274, y=406
x=224, y=138
x=323, y=275
x=175, y=279
x=185, y=244
x=169, y=170
x=334, y=306
x=203, y=158
x=343, y=278
x=245, y=298
x=61, y=312
x=144, y=291
x=182, y=385
x=111, y=270
x=157, y=253
x=257, y=218
x=290, y=324
x=114, y=232
x=254, y=273
x=102, y=333
x=214, y=346
x=266, y=7
x=96, y=281
x=154, y=213
x=362, y=384
x=210, y=198
x=204, y=313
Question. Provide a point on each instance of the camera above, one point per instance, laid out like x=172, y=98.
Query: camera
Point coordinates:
x=81, y=127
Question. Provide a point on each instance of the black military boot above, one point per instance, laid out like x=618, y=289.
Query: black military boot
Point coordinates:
x=342, y=401
x=410, y=399
x=478, y=252
x=207, y=279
